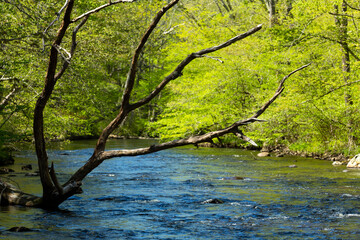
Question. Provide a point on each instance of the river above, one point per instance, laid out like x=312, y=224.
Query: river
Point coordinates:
x=163, y=196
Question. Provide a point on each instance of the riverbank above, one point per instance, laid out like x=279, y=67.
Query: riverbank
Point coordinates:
x=275, y=150
x=282, y=150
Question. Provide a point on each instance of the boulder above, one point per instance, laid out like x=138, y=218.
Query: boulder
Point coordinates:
x=354, y=162
x=32, y=174
x=337, y=163
x=263, y=154
x=19, y=229
x=27, y=167
x=6, y=170
x=213, y=201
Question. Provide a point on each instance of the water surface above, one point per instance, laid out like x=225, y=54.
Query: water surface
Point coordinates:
x=161, y=196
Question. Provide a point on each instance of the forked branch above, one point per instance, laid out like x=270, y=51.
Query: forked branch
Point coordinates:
x=278, y=92
x=178, y=70
x=100, y=155
x=205, y=137
x=132, y=72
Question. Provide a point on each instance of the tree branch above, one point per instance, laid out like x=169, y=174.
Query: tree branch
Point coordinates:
x=4, y=40
x=343, y=15
x=352, y=7
x=52, y=23
x=205, y=137
x=345, y=46
x=99, y=155
x=278, y=92
x=178, y=70
x=55, y=180
x=10, y=195
x=73, y=48
x=214, y=58
x=57, y=16
x=241, y=135
x=100, y=8
x=132, y=72
x=125, y=107
x=7, y=98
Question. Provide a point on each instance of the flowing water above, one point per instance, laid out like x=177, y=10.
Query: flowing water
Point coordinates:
x=163, y=196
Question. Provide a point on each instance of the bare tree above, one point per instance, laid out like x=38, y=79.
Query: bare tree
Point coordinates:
x=55, y=193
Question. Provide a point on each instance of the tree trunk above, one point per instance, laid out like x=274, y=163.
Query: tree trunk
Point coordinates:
x=271, y=6
x=341, y=21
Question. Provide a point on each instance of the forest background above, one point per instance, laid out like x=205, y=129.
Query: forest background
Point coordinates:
x=317, y=113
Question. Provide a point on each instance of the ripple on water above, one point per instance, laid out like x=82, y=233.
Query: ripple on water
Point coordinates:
x=160, y=196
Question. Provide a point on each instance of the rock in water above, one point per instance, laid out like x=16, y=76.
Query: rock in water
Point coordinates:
x=232, y=178
x=6, y=170
x=26, y=167
x=213, y=201
x=19, y=229
x=337, y=163
x=354, y=162
x=263, y=154
x=32, y=174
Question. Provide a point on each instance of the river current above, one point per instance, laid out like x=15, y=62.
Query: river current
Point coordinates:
x=164, y=196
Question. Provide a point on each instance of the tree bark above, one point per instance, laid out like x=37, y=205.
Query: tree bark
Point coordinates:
x=271, y=7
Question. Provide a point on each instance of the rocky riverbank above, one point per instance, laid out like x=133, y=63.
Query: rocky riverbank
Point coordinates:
x=281, y=151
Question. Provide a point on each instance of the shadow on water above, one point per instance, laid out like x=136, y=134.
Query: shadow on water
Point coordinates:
x=163, y=196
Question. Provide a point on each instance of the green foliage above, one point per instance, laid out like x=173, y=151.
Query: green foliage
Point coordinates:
x=311, y=115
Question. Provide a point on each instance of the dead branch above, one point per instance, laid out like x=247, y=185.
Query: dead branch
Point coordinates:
x=214, y=58
x=100, y=154
x=8, y=78
x=57, y=16
x=277, y=93
x=100, y=8
x=10, y=195
x=242, y=136
x=73, y=48
x=52, y=23
x=125, y=106
x=132, y=72
x=205, y=137
x=7, y=98
x=178, y=70
x=55, y=180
